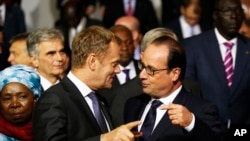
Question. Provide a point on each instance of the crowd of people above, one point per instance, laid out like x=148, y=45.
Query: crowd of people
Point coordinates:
x=181, y=73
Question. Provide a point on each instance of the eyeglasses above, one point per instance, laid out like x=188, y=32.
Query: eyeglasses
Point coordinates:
x=229, y=12
x=150, y=71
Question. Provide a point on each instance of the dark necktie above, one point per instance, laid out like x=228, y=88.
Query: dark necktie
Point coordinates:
x=98, y=113
x=228, y=63
x=148, y=124
x=126, y=71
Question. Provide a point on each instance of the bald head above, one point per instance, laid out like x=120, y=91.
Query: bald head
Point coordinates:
x=133, y=24
x=129, y=21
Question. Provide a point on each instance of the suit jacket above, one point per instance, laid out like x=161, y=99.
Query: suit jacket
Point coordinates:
x=107, y=94
x=144, y=11
x=175, y=26
x=206, y=127
x=205, y=65
x=134, y=88
x=62, y=113
x=14, y=23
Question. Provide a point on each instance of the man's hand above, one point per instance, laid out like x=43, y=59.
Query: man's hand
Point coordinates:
x=122, y=133
x=178, y=114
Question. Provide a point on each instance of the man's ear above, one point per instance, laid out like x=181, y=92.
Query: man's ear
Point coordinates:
x=176, y=72
x=91, y=61
x=35, y=62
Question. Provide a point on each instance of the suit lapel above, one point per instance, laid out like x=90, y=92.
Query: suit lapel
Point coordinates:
x=242, y=58
x=213, y=54
x=79, y=101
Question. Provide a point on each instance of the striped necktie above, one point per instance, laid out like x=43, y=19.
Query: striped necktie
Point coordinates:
x=228, y=63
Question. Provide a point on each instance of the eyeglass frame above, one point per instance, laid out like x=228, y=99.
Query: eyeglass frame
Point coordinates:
x=149, y=70
x=230, y=11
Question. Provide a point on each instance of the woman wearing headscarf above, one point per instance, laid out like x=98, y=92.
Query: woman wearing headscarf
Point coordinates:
x=19, y=89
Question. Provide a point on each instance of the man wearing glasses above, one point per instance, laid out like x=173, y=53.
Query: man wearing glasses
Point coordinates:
x=166, y=109
x=219, y=60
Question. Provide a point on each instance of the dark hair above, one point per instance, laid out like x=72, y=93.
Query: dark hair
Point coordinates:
x=20, y=36
x=176, y=57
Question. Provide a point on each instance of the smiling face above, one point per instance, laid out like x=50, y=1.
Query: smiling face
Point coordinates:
x=108, y=66
x=17, y=103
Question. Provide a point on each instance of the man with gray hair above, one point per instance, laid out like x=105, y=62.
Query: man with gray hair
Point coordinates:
x=46, y=47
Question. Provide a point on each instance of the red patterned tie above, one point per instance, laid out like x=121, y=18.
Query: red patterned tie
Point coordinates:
x=228, y=63
x=130, y=9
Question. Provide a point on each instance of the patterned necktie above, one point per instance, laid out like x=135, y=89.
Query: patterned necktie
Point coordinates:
x=98, y=114
x=126, y=71
x=228, y=63
x=148, y=124
x=130, y=9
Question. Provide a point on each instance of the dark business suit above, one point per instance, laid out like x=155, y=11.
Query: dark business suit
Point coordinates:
x=144, y=11
x=134, y=88
x=107, y=94
x=205, y=65
x=14, y=23
x=206, y=127
x=62, y=113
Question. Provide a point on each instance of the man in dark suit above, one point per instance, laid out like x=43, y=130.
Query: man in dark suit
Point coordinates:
x=205, y=56
x=142, y=10
x=129, y=66
x=134, y=87
x=71, y=110
x=181, y=116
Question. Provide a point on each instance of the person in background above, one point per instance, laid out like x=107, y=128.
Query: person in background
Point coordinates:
x=19, y=90
x=219, y=60
x=168, y=111
x=133, y=24
x=1, y=46
x=73, y=21
x=128, y=66
x=46, y=48
x=188, y=23
x=141, y=9
x=71, y=110
x=245, y=26
x=13, y=21
x=18, y=50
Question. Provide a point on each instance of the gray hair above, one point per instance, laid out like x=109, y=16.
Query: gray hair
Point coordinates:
x=41, y=35
x=155, y=33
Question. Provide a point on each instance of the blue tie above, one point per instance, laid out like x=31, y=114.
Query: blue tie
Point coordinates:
x=148, y=124
x=126, y=71
x=98, y=114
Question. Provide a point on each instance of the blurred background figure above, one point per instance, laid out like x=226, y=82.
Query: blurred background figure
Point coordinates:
x=128, y=66
x=19, y=89
x=74, y=20
x=133, y=24
x=141, y=9
x=13, y=22
x=18, y=50
x=245, y=27
x=188, y=23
